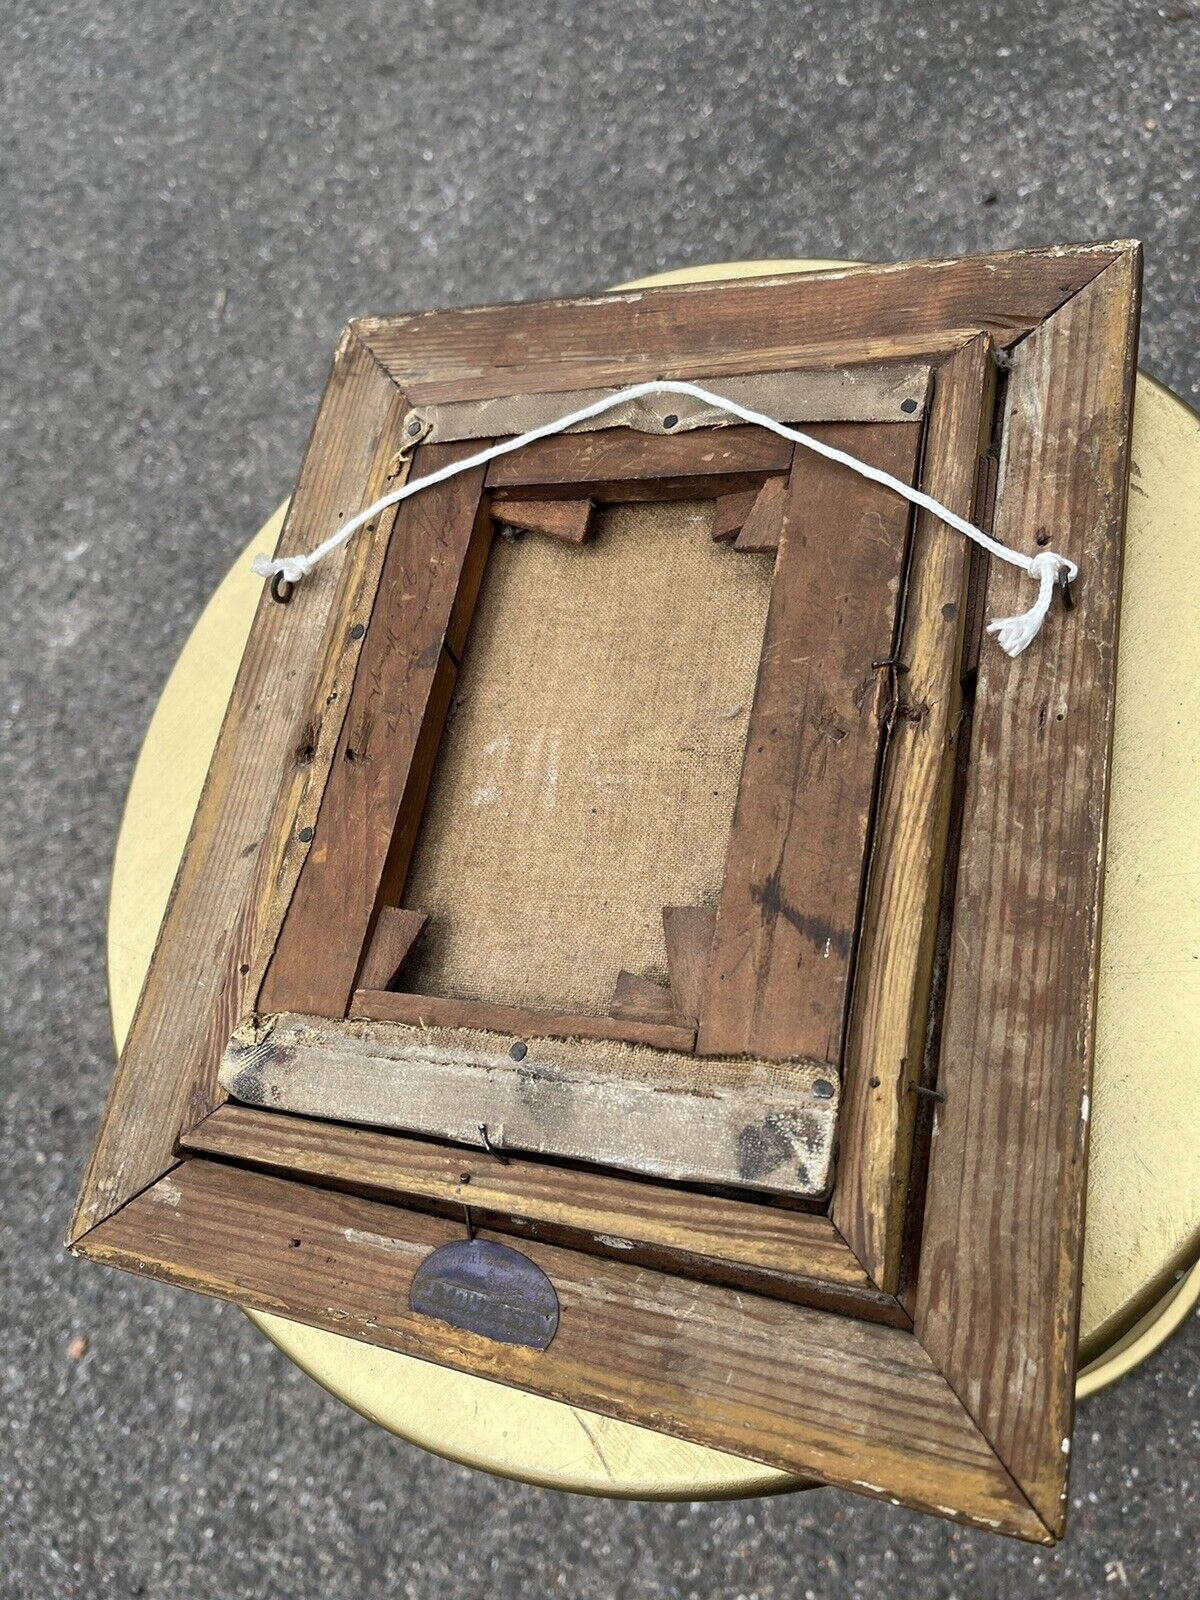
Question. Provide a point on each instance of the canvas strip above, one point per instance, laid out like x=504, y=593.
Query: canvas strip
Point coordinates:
x=866, y=393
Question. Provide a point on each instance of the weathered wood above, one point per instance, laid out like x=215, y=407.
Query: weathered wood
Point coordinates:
x=997, y=1297
x=441, y=1011
x=688, y=933
x=851, y=1403
x=886, y=1037
x=766, y=1238
x=420, y=775
x=995, y=1294
x=262, y=789
x=830, y=318
x=570, y=520
x=638, y=999
x=813, y=354
x=759, y=532
x=788, y=910
x=622, y=464
x=882, y=393
x=396, y=931
x=865, y=1302
x=752, y=1124
x=426, y=593
x=730, y=512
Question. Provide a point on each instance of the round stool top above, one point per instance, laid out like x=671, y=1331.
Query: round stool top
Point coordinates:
x=1143, y=1201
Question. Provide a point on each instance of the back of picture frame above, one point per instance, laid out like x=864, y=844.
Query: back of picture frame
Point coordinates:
x=635, y=840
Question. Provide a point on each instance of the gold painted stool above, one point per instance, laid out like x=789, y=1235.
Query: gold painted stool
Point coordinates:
x=1140, y=1272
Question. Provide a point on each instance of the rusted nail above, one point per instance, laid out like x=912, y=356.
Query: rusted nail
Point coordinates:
x=490, y=1147
x=928, y=1094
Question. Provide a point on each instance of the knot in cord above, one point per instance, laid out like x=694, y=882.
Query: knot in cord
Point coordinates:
x=1016, y=633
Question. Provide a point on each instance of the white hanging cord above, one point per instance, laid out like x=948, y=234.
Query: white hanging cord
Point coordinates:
x=1013, y=633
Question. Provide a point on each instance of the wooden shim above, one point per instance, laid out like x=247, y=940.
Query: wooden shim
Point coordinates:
x=852, y=1403
x=759, y=533
x=752, y=1124
x=767, y=1238
x=262, y=789
x=624, y=465
x=729, y=513
x=788, y=910
x=881, y=393
x=638, y=999
x=432, y=1010
x=396, y=931
x=997, y=1294
x=570, y=520
x=688, y=934
x=891, y=992
x=752, y=325
x=426, y=594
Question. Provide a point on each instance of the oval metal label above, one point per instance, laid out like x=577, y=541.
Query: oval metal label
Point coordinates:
x=486, y=1288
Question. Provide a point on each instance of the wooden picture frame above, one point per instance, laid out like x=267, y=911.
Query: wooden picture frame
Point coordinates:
x=912, y=1336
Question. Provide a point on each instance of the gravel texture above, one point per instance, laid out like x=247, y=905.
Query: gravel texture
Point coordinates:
x=193, y=199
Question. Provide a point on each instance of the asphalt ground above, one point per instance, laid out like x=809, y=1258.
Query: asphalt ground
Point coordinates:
x=193, y=200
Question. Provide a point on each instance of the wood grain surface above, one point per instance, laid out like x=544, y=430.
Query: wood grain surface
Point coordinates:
x=886, y=1040
x=850, y=1402
x=621, y=465
x=626, y=1211
x=572, y=520
x=858, y=314
x=396, y=931
x=997, y=1299
x=262, y=790
x=389, y=738
x=787, y=916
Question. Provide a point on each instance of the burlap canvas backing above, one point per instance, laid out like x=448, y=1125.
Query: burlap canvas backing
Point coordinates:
x=589, y=768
